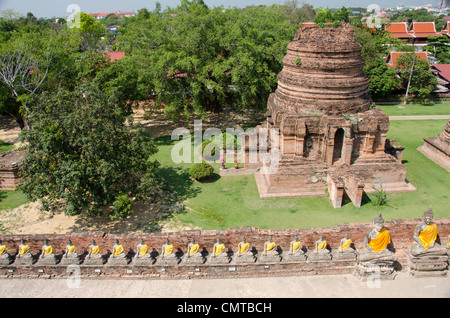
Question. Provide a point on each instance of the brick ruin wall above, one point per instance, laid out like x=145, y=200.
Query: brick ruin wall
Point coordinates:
x=401, y=232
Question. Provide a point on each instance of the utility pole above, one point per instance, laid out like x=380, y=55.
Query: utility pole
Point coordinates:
x=410, y=76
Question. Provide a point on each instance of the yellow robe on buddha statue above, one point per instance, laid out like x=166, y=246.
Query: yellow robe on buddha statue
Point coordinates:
x=296, y=245
x=23, y=249
x=143, y=249
x=168, y=249
x=194, y=249
x=71, y=249
x=219, y=248
x=270, y=246
x=322, y=245
x=95, y=250
x=3, y=249
x=429, y=235
x=118, y=250
x=382, y=240
x=346, y=245
x=48, y=250
x=243, y=247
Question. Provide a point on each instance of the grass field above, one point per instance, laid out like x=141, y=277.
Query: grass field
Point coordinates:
x=4, y=146
x=10, y=199
x=233, y=201
x=416, y=109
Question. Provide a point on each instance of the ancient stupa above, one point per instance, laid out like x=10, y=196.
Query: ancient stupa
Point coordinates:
x=438, y=148
x=330, y=135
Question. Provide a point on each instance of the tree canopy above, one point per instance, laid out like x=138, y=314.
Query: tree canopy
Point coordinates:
x=82, y=155
x=197, y=59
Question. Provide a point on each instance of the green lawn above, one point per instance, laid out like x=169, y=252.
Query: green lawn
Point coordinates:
x=234, y=201
x=11, y=199
x=4, y=146
x=416, y=109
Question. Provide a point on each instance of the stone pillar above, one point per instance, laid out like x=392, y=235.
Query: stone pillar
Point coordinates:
x=368, y=145
x=299, y=146
x=347, y=149
x=335, y=189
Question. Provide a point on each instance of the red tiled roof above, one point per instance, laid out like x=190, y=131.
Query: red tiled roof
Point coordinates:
x=104, y=14
x=423, y=29
x=399, y=30
x=444, y=70
x=446, y=29
x=391, y=60
x=115, y=55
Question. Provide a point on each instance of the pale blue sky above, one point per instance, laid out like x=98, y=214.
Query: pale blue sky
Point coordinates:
x=57, y=8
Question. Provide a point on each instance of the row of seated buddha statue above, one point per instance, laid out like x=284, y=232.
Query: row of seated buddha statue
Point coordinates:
x=377, y=252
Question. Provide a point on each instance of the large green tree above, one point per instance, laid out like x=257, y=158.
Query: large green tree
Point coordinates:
x=81, y=154
x=197, y=59
x=415, y=72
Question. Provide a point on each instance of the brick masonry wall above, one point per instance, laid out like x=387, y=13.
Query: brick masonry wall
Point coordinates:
x=401, y=232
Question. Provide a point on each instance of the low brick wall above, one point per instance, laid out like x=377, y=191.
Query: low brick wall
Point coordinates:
x=401, y=232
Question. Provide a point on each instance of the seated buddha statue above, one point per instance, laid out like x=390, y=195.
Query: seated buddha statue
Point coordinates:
x=47, y=256
x=243, y=253
x=376, y=243
x=142, y=256
x=296, y=252
x=219, y=255
x=94, y=257
x=168, y=255
x=425, y=237
x=270, y=253
x=24, y=256
x=321, y=246
x=321, y=251
x=193, y=254
x=425, y=254
x=448, y=246
x=118, y=256
x=70, y=255
x=345, y=249
x=5, y=258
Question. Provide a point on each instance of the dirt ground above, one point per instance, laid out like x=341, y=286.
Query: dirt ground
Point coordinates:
x=30, y=219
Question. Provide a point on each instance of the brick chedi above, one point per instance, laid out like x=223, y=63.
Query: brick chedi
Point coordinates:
x=330, y=136
x=438, y=148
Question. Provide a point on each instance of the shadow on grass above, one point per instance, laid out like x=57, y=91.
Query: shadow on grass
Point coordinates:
x=147, y=216
x=364, y=200
x=3, y=195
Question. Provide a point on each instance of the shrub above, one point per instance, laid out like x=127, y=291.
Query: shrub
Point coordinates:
x=121, y=207
x=380, y=196
x=201, y=171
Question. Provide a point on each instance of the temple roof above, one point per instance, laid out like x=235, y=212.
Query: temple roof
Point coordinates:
x=391, y=59
x=399, y=30
x=423, y=29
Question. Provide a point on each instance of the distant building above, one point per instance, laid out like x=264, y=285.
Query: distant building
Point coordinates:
x=399, y=30
x=422, y=30
x=115, y=55
x=442, y=73
x=100, y=16
x=391, y=59
x=417, y=33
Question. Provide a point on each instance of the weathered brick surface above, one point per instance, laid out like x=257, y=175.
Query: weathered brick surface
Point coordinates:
x=401, y=233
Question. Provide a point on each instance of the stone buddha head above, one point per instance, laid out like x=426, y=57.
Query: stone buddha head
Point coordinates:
x=378, y=222
x=428, y=215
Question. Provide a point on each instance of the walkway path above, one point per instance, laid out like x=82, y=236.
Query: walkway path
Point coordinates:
x=403, y=286
x=419, y=117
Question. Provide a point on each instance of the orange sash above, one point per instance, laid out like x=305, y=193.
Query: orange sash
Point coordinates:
x=429, y=235
x=381, y=241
